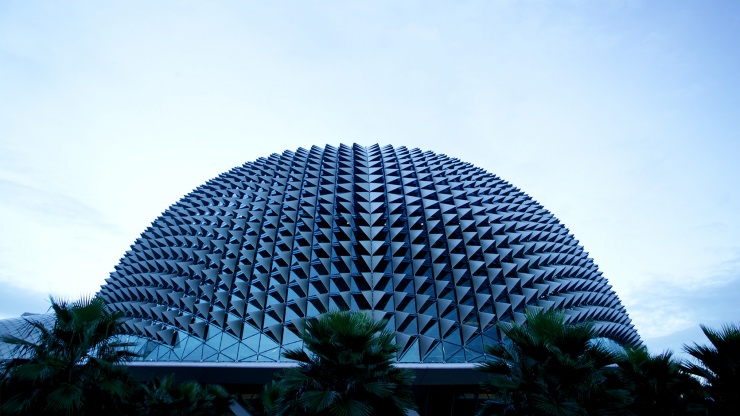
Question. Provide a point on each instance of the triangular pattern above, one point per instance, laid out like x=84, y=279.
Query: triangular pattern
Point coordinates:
x=439, y=248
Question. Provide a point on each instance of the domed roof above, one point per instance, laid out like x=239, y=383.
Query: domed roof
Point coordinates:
x=439, y=248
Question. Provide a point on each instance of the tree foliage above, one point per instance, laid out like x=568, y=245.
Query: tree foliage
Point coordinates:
x=349, y=371
x=165, y=397
x=544, y=367
x=658, y=385
x=70, y=368
x=718, y=365
x=550, y=367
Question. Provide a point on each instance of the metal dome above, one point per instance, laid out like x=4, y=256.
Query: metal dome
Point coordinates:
x=441, y=249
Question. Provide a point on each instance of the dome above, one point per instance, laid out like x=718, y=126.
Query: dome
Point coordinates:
x=439, y=248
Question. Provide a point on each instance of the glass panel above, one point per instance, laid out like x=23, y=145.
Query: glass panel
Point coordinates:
x=253, y=342
x=266, y=344
x=246, y=353
x=208, y=352
x=457, y=356
x=412, y=354
x=270, y=355
x=215, y=341
x=435, y=355
x=231, y=351
x=196, y=354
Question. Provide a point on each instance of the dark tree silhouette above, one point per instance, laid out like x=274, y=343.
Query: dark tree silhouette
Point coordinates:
x=550, y=367
x=718, y=365
x=349, y=372
x=659, y=386
x=70, y=368
x=165, y=397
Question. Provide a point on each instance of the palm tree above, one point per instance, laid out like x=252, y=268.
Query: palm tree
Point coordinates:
x=70, y=368
x=718, y=365
x=166, y=398
x=349, y=372
x=658, y=385
x=549, y=367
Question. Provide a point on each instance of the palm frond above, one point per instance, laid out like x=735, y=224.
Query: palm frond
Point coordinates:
x=346, y=363
x=318, y=400
x=547, y=364
x=350, y=407
x=65, y=398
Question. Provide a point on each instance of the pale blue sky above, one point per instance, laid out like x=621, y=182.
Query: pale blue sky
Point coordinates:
x=620, y=117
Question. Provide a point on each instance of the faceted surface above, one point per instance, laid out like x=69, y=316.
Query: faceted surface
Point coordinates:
x=439, y=248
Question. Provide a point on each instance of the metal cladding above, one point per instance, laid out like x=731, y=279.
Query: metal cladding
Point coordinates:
x=439, y=248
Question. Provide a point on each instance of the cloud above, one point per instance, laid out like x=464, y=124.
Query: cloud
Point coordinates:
x=50, y=207
x=51, y=243
x=17, y=300
x=665, y=311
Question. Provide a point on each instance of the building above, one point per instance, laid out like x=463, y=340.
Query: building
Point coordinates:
x=223, y=280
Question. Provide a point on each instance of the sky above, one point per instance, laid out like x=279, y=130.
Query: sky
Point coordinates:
x=620, y=117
